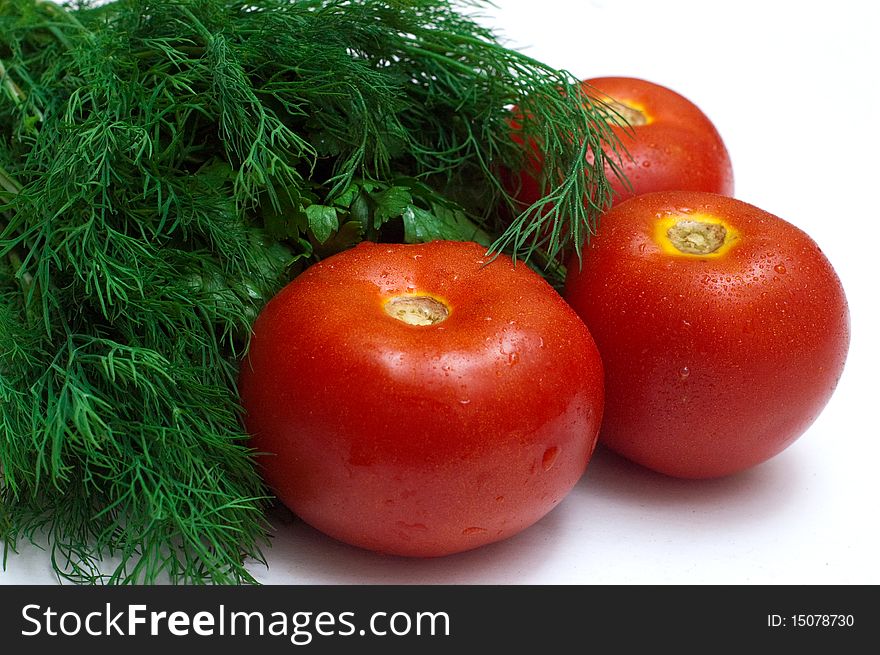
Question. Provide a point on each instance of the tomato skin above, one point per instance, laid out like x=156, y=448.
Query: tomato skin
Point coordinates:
x=421, y=440
x=677, y=149
x=713, y=364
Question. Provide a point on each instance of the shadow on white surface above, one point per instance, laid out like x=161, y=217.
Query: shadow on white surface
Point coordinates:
x=302, y=555
x=619, y=511
x=761, y=489
x=620, y=524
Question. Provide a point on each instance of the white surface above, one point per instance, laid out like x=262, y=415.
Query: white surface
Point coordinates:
x=792, y=88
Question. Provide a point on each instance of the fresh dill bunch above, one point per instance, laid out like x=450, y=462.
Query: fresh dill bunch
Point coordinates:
x=165, y=167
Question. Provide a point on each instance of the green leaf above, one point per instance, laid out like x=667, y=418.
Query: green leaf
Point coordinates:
x=416, y=186
x=348, y=196
x=217, y=172
x=441, y=223
x=390, y=203
x=323, y=221
x=289, y=221
x=360, y=209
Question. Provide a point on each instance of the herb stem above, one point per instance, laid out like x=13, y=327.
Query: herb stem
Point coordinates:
x=422, y=52
x=15, y=91
x=54, y=9
x=9, y=183
x=203, y=31
x=19, y=97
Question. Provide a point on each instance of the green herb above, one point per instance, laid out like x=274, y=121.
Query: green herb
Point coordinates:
x=165, y=167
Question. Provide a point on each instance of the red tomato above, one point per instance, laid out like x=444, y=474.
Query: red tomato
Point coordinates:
x=420, y=400
x=671, y=144
x=723, y=330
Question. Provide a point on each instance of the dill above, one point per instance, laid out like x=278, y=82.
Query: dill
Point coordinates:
x=165, y=167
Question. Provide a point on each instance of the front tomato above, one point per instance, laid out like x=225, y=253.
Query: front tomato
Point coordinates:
x=723, y=330
x=420, y=400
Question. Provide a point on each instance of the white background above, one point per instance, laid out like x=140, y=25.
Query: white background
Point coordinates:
x=793, y=89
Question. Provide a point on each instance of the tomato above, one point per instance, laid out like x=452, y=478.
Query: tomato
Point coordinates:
x=421, y=400
x=723, y=330
x=671, y=145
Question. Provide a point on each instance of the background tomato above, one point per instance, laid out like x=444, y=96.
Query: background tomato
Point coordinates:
x=420, y=401
x=723, y=330
x=671, y=144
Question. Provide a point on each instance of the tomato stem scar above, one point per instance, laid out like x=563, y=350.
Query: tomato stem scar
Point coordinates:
x=629, y=113
x=417, y=310
x=697, y=237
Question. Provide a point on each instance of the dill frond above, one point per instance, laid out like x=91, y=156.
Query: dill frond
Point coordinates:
x=165, y=167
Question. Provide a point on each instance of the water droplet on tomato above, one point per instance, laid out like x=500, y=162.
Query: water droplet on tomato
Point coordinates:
x=549, y=458
x=779, y=268
x=464, y=401
x=684, y=372
x=473, y=530
x=513, y=358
